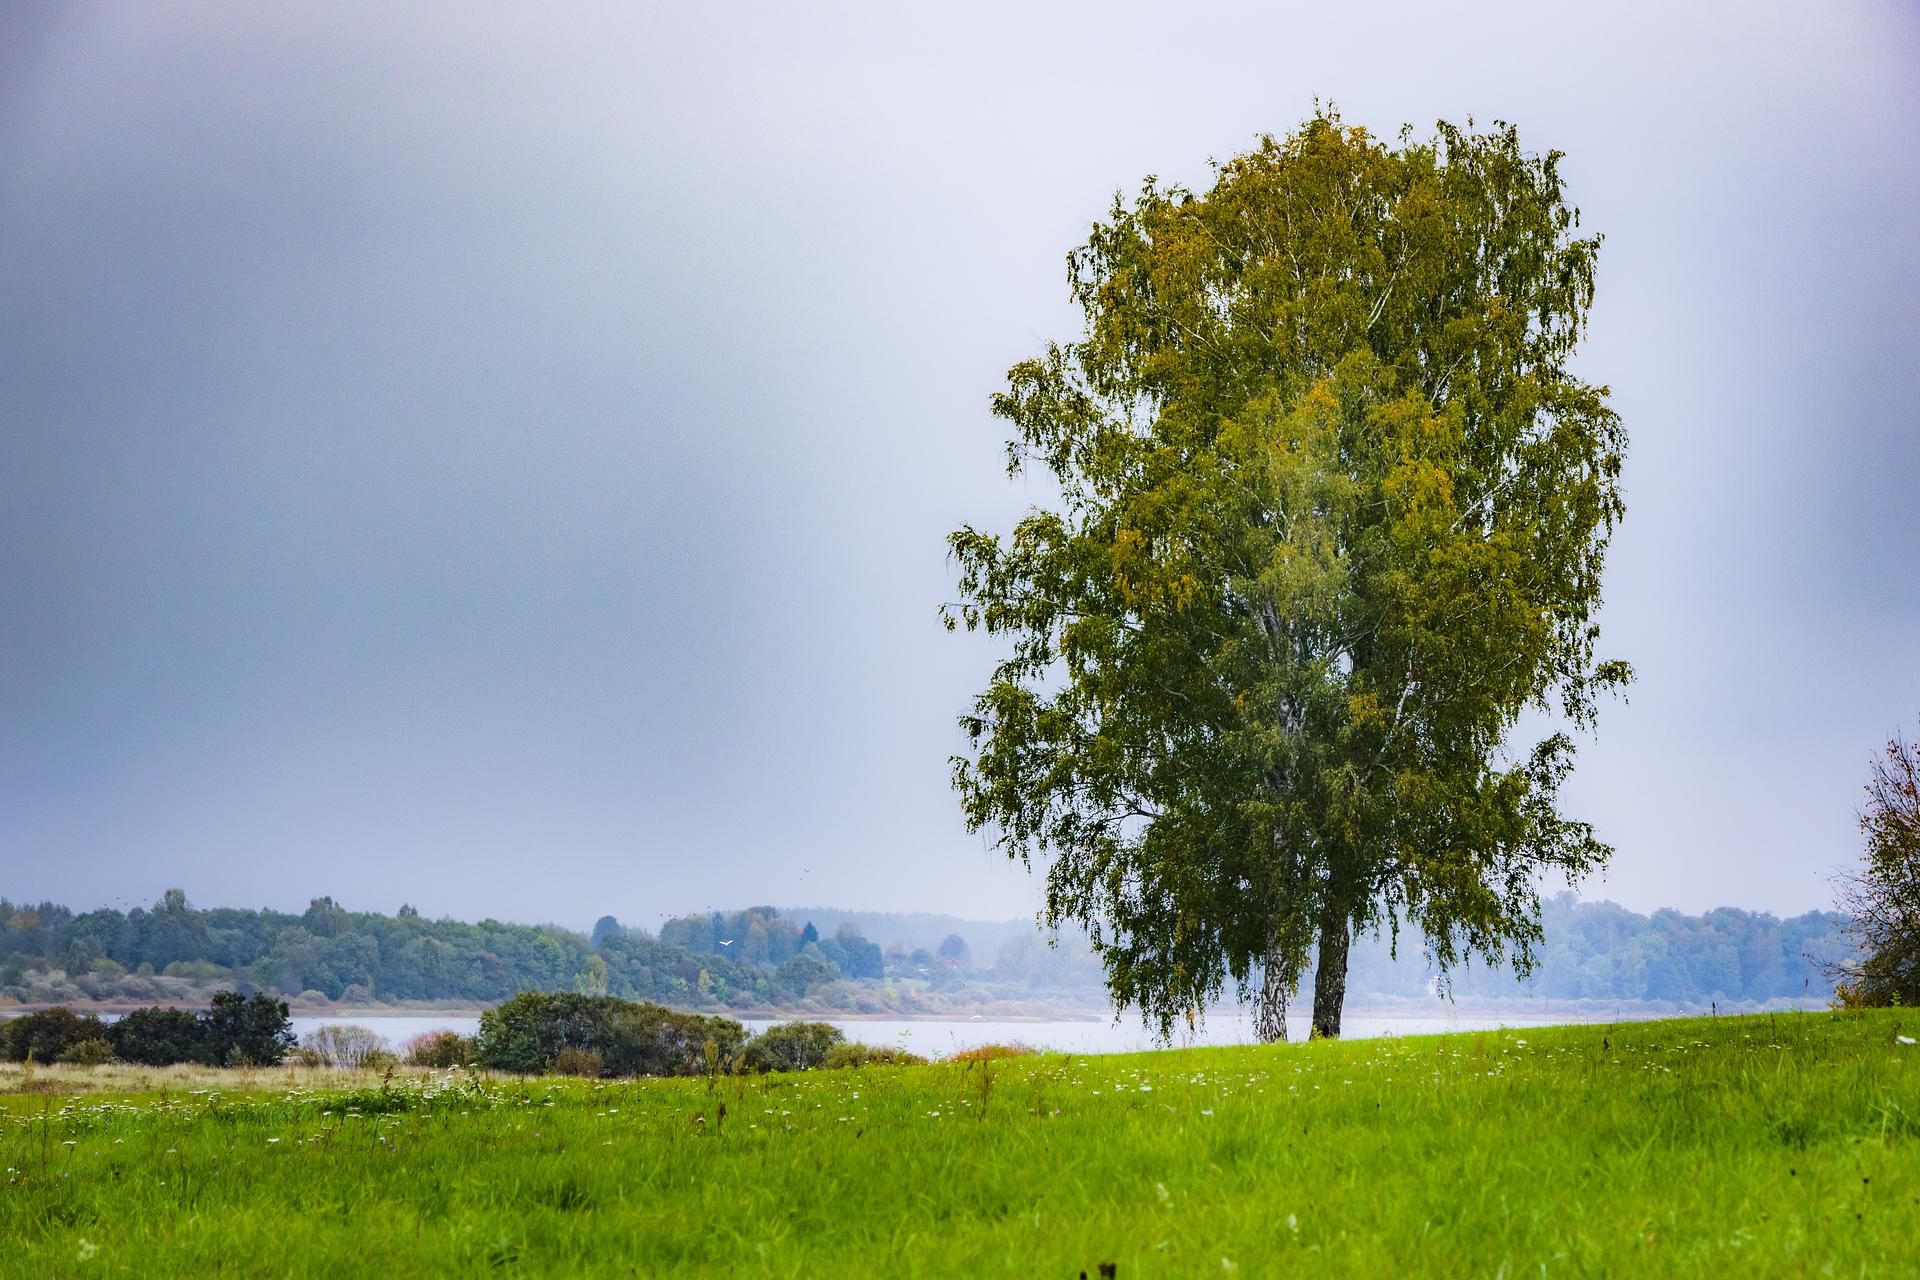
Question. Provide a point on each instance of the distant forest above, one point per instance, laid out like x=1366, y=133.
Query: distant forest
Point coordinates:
x=824, y=960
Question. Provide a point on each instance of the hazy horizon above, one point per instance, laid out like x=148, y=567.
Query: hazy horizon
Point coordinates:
x=651, y=920
x=500, y=462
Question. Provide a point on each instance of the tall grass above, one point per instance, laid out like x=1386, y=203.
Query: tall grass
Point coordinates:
x=1771, y=1145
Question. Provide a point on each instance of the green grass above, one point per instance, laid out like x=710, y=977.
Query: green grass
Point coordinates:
x=1767, y=1145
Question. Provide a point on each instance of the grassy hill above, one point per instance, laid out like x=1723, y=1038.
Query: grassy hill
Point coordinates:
x=1783, y=1144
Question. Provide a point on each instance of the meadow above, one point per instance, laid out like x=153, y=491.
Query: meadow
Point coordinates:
x=1784, y=1144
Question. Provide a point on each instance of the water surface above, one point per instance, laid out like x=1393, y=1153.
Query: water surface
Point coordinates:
x=937, y=1037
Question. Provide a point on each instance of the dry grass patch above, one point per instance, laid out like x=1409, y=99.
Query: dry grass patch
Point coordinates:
x=993, y=1053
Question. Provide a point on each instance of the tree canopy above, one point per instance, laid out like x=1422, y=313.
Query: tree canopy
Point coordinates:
x=1883, y=897
x=1332, y=511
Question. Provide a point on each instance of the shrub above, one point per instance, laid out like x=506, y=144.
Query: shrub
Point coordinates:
x=650, y=1040
x=792, y=1046
x=246, y=1030
x=87, y=1053
x=48, y=1033
x=198, y=970
x=529, y=1032
x=439, y=1049
x=576, y=1062
x=346, y=1045
x=158, y=1037
x=871, y=1055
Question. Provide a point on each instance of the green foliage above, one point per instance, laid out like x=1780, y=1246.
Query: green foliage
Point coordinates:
x=530, y=1033
x=842, y=1056
x=605, y=927
x=197, y=970
x=792, y=1046
x=332, y=953
x=572, y=1061
x=1332, y=515
x=87, y=1053
x=648, y=1040
x=1883, y=898
x=439, y=1049
x=159, y=1037
x=1590, y=950
x=855, y=956
x=801, y=973
x=47, y=1034
x=237, y=1030
x=246, y=1030
x=1763, y=1146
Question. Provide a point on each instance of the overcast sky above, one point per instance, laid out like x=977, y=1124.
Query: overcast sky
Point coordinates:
x=498, y=457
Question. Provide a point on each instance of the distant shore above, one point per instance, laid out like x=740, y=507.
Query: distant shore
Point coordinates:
x=1398, y=1007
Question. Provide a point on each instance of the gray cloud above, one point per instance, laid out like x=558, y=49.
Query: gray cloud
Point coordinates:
x=501, y=461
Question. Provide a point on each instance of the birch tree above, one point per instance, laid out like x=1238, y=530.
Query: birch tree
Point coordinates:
x=1331, y=515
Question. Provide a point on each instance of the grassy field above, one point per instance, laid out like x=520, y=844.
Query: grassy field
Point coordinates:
x=1771, y=1145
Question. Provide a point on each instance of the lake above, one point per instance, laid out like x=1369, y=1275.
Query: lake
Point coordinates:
x=938, y=1037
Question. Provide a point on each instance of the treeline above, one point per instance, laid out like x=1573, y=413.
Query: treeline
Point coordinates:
x=236, y=1030
x=1602, y=951
x=761, y=958
x=330, y=953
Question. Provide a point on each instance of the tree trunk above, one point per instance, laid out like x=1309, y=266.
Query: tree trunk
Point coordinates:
x=1330, y=973
x=1270, y=1022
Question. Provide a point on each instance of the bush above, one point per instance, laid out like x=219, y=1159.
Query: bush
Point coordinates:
x=650, y=1040
x=197, y=970
x=347, y=1046
x=528, y=1033
x=48, y=1033
x=576, y=1062
x=158, y=1037
x=439, y=1049
x=87, y=1053
x=246, y=1030
x=792, y=1046
x=871, y=1055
